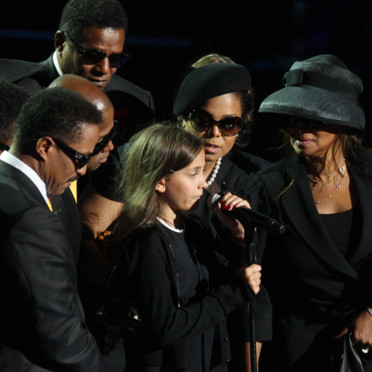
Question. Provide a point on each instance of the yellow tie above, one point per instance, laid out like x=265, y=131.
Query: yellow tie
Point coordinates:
x=73, y=188
x=49, y=204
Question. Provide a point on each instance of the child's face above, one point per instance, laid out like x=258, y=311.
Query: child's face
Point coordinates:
x=181, y=190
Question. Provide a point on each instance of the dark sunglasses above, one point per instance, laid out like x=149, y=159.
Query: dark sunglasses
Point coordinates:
x=94, y=56
x=4, y=147
x=79, y=159
x=105, y=140
x=202, y=121
x=294, y=122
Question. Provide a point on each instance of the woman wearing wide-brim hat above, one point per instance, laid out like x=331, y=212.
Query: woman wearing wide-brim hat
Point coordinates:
x=319, y=273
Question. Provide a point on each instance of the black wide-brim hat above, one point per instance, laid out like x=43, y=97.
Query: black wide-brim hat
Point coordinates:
x=210, y=81
x=320, y=88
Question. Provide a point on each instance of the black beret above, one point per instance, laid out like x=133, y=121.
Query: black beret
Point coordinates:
x=210, y=81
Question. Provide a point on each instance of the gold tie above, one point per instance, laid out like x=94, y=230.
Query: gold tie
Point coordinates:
x=49, y=204
x=73, y=188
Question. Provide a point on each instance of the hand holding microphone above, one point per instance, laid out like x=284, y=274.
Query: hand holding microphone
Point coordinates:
x=221, y=208
x=245, y=215
x=226, y=204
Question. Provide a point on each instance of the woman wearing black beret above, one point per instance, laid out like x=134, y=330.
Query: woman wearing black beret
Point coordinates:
x=319, y=273
x=215, y=102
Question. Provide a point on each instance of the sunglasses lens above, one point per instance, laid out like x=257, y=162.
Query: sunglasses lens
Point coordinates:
x=230, y=126
x=109, y=137
x=91, y=57
x=80, y=163
x=202, y=120
x=118, y=59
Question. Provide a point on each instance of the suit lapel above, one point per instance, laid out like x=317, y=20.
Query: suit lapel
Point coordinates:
x=299, y=207
x=47, y=72
x=65, y=207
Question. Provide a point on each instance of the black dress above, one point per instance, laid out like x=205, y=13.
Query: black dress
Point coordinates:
x=183, y=290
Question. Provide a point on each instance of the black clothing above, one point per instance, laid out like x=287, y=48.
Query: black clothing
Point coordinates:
x=313, y=288
x=233, y=179
x=248, y=162
x=230, y=178
x=344, y=229
x=41, y=318
x=148, y=267
x=134, y=107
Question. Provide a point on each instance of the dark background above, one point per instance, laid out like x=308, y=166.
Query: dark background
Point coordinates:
x=266, y=36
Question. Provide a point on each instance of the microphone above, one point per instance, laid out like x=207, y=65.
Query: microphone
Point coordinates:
x=244, y=215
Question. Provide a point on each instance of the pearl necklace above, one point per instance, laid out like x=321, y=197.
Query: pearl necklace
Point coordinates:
x=215, y=171
x=340, y=173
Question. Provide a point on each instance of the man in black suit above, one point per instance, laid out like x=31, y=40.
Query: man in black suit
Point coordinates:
x=42, y=324
x=90, y=42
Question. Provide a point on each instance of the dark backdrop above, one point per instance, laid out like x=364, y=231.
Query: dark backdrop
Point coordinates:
x=266, y=36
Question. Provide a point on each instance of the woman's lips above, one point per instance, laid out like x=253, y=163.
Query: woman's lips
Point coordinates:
x=302, y=142
x=211, y=148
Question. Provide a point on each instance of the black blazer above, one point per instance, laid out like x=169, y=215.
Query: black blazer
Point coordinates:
x=309, y=281
x=41, y=317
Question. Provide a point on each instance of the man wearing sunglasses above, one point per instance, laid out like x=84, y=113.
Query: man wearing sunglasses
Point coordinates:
x=41, y=317
x=108, y=126
x=89, y=43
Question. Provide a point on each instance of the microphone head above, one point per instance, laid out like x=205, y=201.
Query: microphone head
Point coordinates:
x=213, y=200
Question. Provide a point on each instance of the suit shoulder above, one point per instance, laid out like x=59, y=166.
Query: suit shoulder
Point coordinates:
x=119, y=83
x=11, y=196
x=15, y=70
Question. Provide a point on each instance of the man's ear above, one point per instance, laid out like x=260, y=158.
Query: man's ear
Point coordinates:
x=160, y=187
x=59, y=40
x=44, y=146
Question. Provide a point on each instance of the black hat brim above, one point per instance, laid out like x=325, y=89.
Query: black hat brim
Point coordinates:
x=316, y=104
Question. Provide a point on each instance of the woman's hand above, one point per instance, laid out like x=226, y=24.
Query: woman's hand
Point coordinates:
x=228, y=202
x=361, y=329
x=253, y=275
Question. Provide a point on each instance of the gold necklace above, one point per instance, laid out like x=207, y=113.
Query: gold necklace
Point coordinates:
x=340, y=174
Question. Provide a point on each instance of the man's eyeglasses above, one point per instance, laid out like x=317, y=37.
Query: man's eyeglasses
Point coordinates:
x=4, y=147
x=294, y=122
x=79, y=159
x=105, y=140
x=202, y=121
x=93, y=56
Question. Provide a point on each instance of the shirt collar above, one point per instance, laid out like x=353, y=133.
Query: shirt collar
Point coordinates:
x=56, y=63
x=12, y=160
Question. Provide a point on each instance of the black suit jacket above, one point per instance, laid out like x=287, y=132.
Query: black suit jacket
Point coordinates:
x=133, y=105
x=312, y=286
x=134, y=108
x=41, y=317
x=65, y=207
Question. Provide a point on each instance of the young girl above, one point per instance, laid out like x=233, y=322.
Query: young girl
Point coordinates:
x=169, y=266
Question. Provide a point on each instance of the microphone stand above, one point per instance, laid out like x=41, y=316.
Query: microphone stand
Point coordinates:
x=250, y=240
